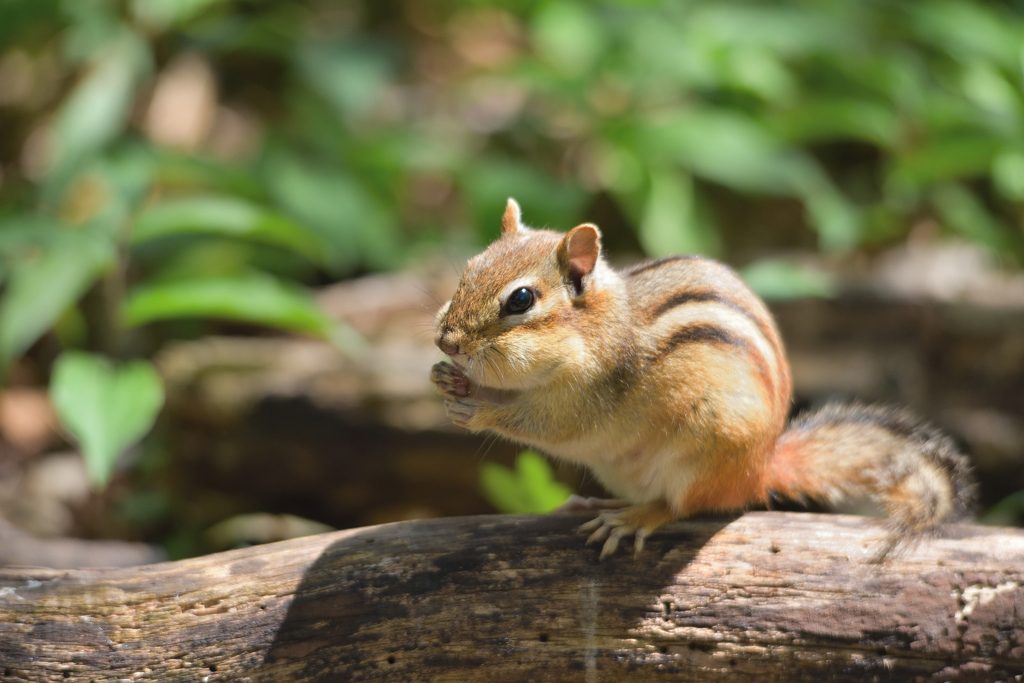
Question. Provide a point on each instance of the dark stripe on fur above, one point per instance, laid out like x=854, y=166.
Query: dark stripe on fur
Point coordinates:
x=696, y=334
x=702, y=295
x=706, y=333
x=687, y=296
x=657, y=263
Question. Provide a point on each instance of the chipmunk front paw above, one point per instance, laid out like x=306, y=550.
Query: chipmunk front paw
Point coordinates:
x=449, y=380
x=463, y=410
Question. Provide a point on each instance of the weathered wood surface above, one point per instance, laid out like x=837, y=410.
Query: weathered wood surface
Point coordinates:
x=766, y=597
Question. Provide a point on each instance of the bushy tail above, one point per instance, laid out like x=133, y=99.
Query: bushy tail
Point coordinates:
x=840, y=453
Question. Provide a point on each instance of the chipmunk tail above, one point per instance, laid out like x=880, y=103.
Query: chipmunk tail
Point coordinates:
x=841, y=453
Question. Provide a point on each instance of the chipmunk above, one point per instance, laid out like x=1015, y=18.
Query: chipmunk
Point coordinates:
x=670, y=382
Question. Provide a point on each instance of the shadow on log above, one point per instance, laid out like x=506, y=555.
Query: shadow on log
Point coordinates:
x=767, y=597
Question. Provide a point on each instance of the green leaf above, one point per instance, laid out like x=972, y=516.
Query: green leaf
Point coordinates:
x=760, y=72
x=159, y=14
x=42, y=285
x=201, y=260
x=779, y=280
x=96, y=111
x=71, y=329
x=1007, y=512
x=657, y=53
x=227, y=217
x=24, y=235
x=1008, y=175
x=92, y=27
x=842, y=118
x=949, y=158
x=838, y=222
x=991, y=92
x=105, y=409
x=350, y=77
x=530, y=488
x=738, y=152
x=23, y=17
x=775, y=27
x=185, y=174
x=129, y=171
x=502, y=488
x=962, y=211
x=722, y=146
x=969, y=30
x=341, y=210
x=671, y=223
x=253, y=298
x=568, y=35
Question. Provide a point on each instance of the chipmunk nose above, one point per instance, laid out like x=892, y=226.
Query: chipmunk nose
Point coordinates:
x=448, y=342
x=448, y=347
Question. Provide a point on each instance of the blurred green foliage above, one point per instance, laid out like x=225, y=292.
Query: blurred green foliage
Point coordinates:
x=105, y=409
x=530, y=488
x=1007, y=512
x=348, y=133
x=166, y=159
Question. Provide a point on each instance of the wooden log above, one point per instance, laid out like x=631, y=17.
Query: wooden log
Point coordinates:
x=766, y=597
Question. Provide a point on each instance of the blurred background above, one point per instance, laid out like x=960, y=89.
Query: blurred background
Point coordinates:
x=225, y=227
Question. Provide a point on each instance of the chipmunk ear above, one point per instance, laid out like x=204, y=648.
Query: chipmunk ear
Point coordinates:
x=579, y=251
x=512, y=220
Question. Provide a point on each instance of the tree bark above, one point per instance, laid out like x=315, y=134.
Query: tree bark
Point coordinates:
x=765, y=597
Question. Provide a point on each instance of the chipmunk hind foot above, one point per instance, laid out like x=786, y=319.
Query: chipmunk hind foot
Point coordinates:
x=638, y=521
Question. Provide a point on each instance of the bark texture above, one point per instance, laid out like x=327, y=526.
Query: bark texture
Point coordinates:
x=765, y=597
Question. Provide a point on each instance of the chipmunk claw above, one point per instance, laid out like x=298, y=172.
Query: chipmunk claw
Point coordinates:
x=449, y=380
x=462, y=410
x=611, y=526
x=617, y=534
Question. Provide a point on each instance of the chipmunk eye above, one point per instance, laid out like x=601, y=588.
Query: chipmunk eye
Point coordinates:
x=519, y=301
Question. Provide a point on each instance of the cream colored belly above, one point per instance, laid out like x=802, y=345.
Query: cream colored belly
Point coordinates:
x=635, y=471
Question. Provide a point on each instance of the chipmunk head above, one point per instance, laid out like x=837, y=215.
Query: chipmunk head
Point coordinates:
x=524, y=304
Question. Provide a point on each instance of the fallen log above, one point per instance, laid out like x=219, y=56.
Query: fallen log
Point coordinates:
x=767, y=596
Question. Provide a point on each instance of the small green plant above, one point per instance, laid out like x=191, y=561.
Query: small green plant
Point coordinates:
x=166, y=246
x=1007, y=512
x=106, y=409
x=530, y=488
x=144, y=261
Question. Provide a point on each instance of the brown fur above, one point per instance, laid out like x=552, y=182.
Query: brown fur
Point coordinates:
x=671, y=383
x=841, y=452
